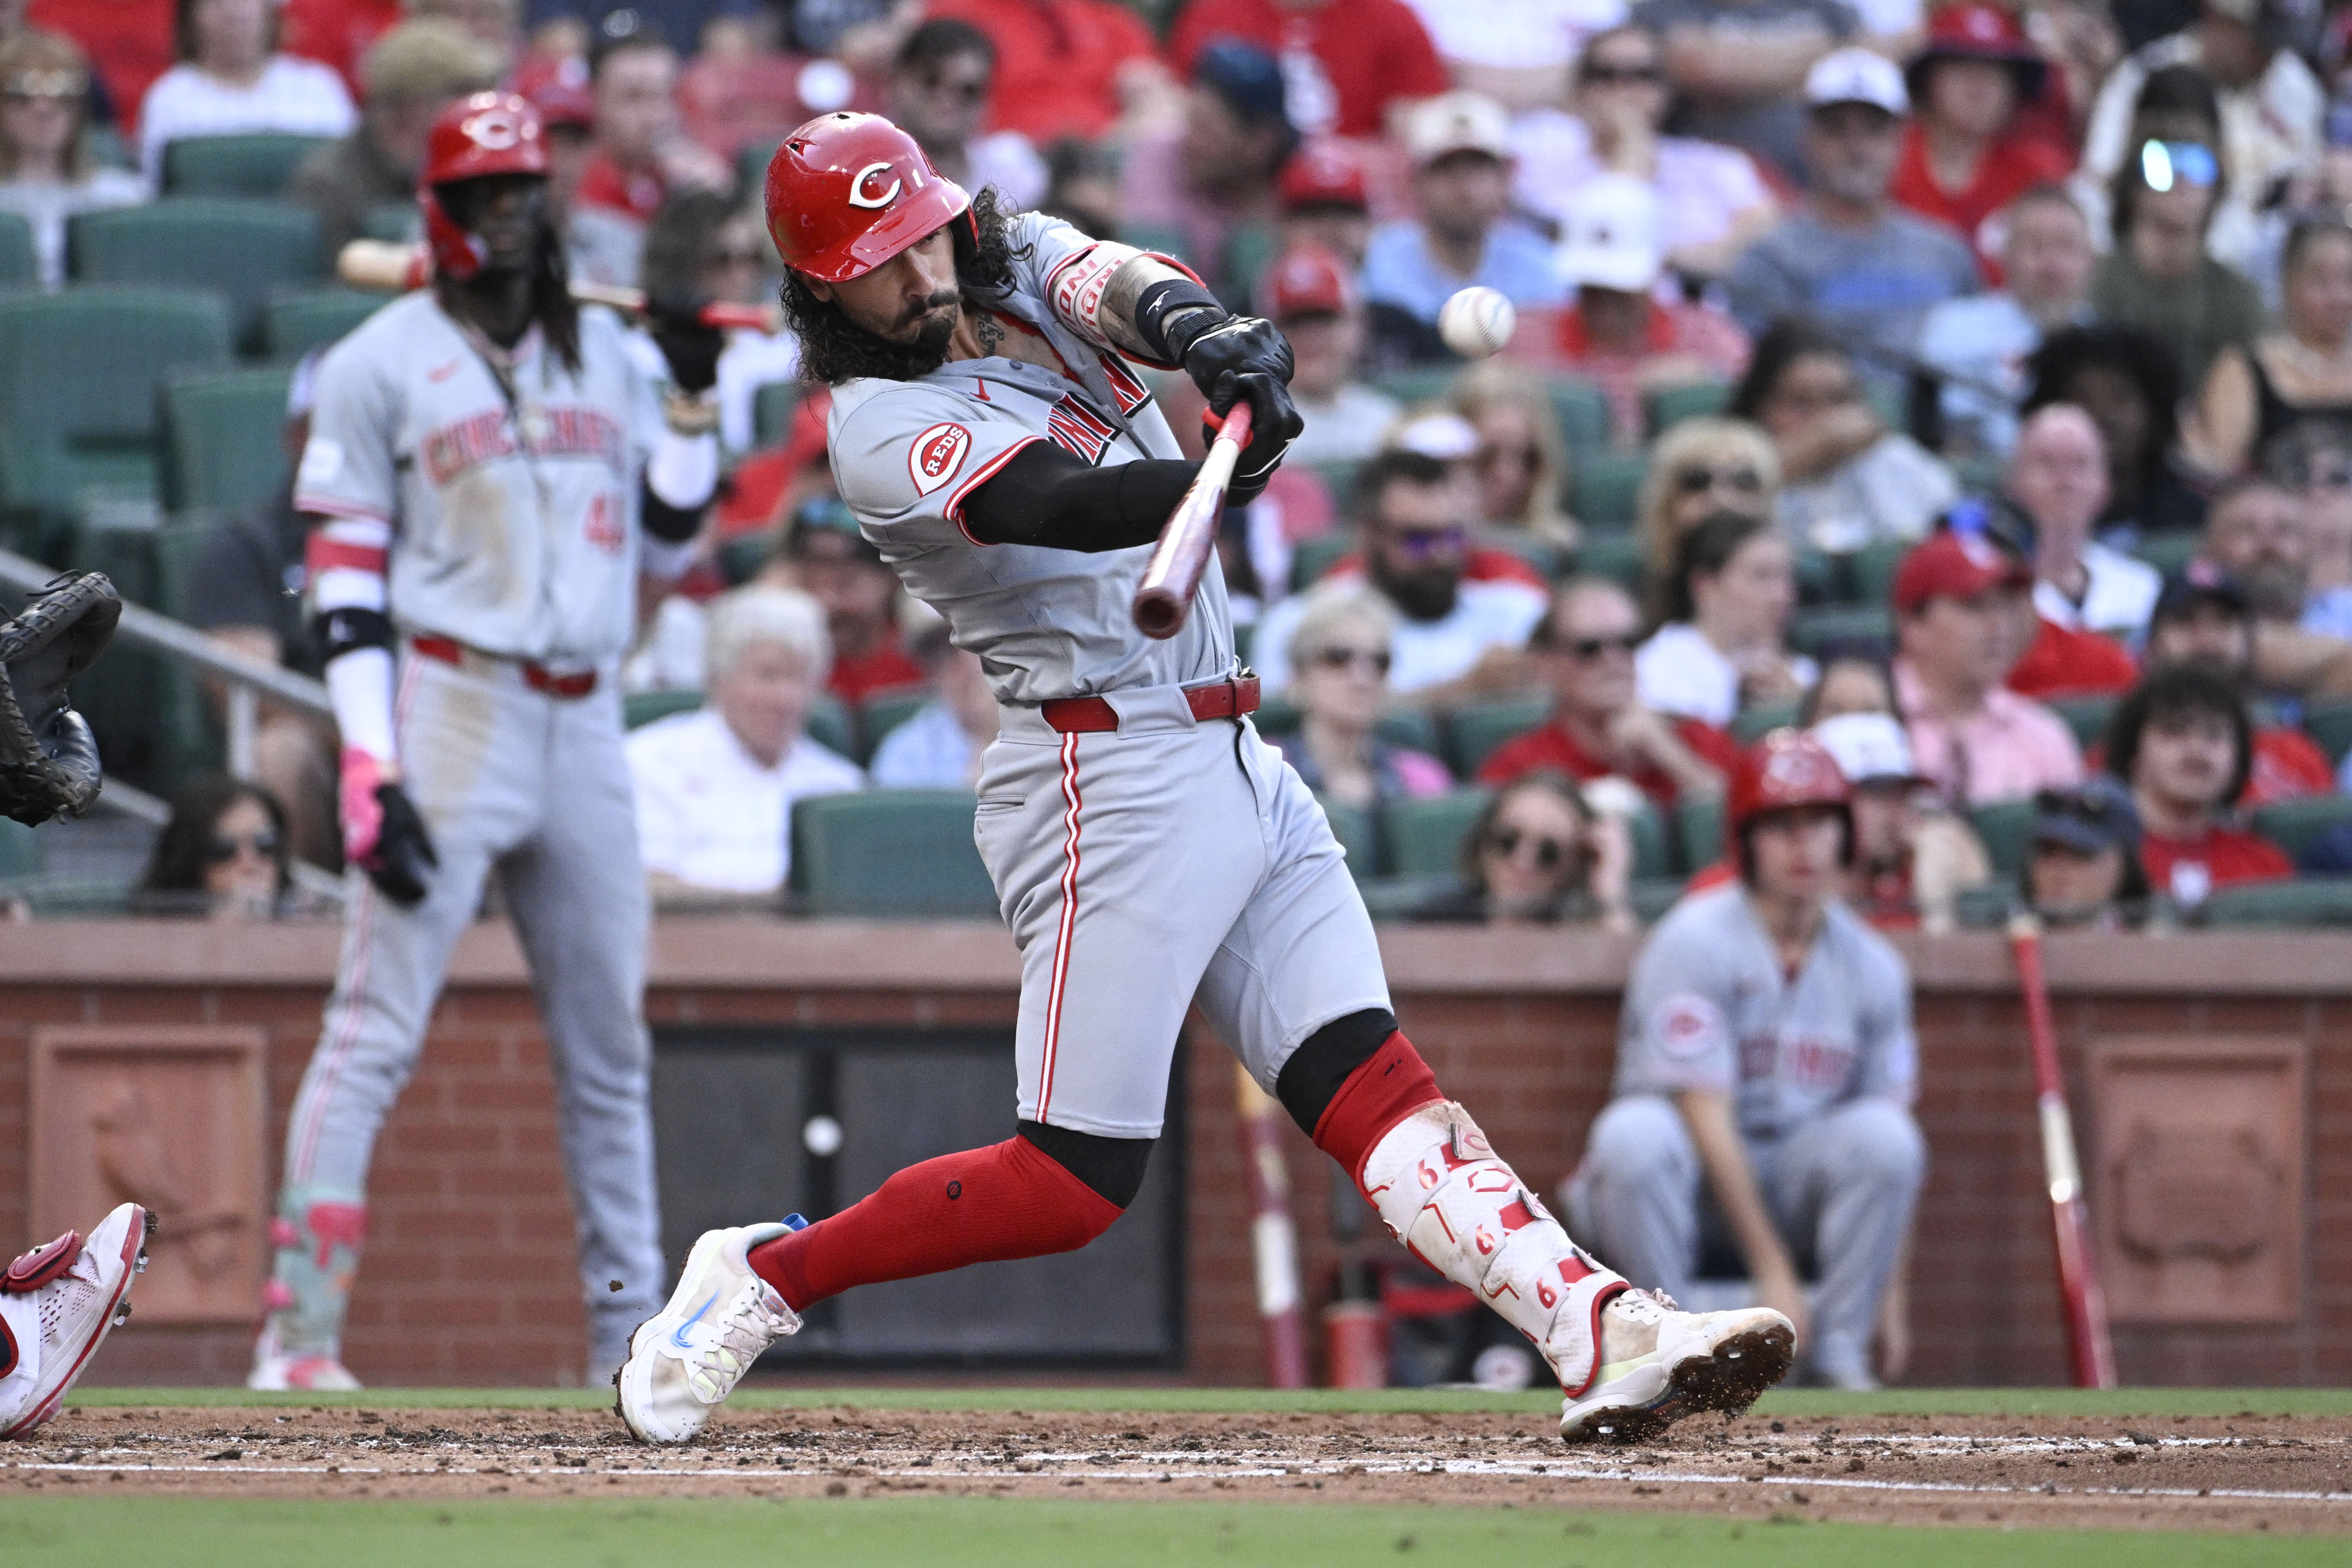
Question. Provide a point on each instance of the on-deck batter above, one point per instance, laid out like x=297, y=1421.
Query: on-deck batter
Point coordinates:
x=490, y=475
x=1146, y=846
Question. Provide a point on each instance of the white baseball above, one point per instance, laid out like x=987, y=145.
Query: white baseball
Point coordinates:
x=1476, y=322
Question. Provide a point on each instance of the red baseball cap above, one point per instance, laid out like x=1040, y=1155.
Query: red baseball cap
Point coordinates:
x=559, y=90
x=1308, y=280
x=1978, y=30
x=1956, y=566
x=1322, y=173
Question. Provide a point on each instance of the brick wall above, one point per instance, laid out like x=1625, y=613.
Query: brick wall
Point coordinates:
x=469, y=1274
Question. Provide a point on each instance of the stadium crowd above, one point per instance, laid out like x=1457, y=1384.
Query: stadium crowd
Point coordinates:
x=1971, y=384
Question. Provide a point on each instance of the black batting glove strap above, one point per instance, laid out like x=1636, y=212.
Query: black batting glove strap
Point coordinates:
x=404, y=850
x=690, y=347
x=1275, y=423
x=1240, y=345
x=1175, y=297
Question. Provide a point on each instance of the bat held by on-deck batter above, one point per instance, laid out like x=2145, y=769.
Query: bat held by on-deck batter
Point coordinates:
x=1165, y=598
x=384, y=267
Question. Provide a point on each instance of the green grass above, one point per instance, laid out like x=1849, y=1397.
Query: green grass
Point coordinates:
x=978, y=1532
x=2050, y=1402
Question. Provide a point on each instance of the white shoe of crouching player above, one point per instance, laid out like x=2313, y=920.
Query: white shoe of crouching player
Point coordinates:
x=58, y=1302
x=1659, y=1364
x=686, y=1359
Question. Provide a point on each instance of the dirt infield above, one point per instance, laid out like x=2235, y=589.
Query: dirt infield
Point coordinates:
x=2282, y=1473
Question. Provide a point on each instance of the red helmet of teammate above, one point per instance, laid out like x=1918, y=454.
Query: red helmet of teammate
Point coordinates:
x=1785, y=770
x=489, y=133
x=849, y=191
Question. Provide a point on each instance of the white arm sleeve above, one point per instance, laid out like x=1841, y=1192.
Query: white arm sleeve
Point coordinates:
x=684, y=469
x=359, y=685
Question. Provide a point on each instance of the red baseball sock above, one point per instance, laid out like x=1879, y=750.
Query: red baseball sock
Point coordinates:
x=1392, y=1084
x=983, y=1206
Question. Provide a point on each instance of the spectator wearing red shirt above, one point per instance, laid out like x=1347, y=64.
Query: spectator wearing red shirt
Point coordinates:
x=638, y=155
x=130, y=43
x=2183, y=742
x=827, y=558
x=1350, y=63
x=1964, y=157
x=2203, y=617
x=1065, y=68
x=1583, y=649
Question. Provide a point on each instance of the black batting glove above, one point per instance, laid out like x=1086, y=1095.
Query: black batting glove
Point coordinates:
x=1275, y=423
x=404, y=850
x=690, y=347
x=1211, y=348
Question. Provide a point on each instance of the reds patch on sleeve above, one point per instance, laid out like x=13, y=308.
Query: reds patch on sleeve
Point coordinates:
x=1687, y=1027
x=936, y=456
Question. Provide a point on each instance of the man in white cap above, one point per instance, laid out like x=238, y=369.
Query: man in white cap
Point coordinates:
x=1911, y=859
x=1459, y=144
x=1618, y=334
x=1848, y=256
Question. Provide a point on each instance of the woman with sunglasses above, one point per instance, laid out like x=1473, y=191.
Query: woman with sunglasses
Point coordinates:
x=1849, y=480
x=1520, y=462
x=46, y=175
x=1698, y=468
x=1339, y=658
x=221, y=857
x=2300, y=372
x=1722, y=618
x=1541, y=855
x=2161, y=274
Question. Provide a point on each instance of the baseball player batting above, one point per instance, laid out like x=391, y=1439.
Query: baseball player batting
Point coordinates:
x=488, y=477
x=1146, y=846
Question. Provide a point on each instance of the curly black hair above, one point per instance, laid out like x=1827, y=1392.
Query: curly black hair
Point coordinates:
x=2177, y=691
x=2135, y=353
x=833, y=349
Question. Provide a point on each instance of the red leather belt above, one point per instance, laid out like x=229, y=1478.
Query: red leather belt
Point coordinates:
x=537, y=677
x=1088, y=715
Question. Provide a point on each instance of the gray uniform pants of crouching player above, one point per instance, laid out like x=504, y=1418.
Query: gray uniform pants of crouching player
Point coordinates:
x=535, y=785
x=1839, y=1188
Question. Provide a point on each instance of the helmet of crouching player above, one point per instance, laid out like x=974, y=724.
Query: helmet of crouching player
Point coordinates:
x=1789, y=815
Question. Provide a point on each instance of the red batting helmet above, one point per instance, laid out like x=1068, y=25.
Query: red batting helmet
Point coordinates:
x=849, y=191
x=1785, y=770
x=489, y=133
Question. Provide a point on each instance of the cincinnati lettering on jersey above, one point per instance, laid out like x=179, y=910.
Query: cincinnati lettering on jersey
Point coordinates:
x=1820, y=1065
x=486, y=436
x=1132, y=394
x=1077, y=429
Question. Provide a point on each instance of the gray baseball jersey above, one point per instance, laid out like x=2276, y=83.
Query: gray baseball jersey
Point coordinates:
x=514, y=520
x=1709, y=1007
x=1046, y=623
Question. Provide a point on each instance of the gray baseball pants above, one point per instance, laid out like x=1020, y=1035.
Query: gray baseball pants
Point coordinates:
x=1839, y=1188
x=537, y=788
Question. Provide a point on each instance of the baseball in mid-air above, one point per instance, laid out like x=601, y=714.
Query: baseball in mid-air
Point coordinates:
x=1476, y=322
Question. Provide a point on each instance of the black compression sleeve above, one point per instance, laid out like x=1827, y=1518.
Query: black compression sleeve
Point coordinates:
x=672, y=525
x=1047, y=496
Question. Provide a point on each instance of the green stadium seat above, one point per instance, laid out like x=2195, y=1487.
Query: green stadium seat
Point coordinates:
x=1411, y=729
x=771, y=411
x=2086, y=716
x=1615, y=554
x=1698, y=833
x=1828, y=628
x=1651, y=897
x=832, y=726
x=641, y=707
x=20, y=850
x=240, y=249
x=1870, y=571
x=1400, y=897
x=2304, y=901
x=1318, y=555
x=2330, y=724
x=1244, y=637
x=2295, y=826
x=2007, y=829
x=1474, y=730
x=879, y=715
x=1277, y=715
x=1653, y=855
x=890, y=852
x=1752, y=723
x=1354, y=827
x=1424, y=836
x=79, y=376
x=1339, y=478
x=1164, y=239
x=1417, y=383
x=395, y=223
x=223, y=437
x=254, y=166
x=1666, y=407
x=154, y=729
x=19, y=266
x=1583, y=415
x=296, y=321
x=1249, y=251
x=2168, y=552
x=1606, y=488
x=751, y=162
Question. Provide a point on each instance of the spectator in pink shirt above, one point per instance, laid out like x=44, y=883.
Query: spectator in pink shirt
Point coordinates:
x=1962, y=616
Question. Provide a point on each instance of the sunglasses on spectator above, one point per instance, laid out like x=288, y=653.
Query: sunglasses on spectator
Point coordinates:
x=1348, y=657
x=223, y=847
x=971, y=89
x=1691, y=481
x=1622, y=76
x=1591, y=648
x=2163, y=164
x=1421, y=543
x=1549, y=851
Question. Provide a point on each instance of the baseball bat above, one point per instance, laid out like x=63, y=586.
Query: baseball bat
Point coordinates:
x=384, y=267
x=1165, y=596
x=1273, y=1239
x=2070, y=1217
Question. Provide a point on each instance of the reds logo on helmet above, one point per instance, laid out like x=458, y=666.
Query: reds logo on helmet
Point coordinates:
x=488, y=133
x=847, y=192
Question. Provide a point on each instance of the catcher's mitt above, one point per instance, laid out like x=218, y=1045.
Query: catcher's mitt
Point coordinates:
x=48, y=760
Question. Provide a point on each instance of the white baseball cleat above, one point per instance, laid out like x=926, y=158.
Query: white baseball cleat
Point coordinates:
x=59, y=1302
x=276, y=1369
x=1659, y=1364
x=686, y=1359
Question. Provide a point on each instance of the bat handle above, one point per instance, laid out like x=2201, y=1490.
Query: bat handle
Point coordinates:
x=1164, y=597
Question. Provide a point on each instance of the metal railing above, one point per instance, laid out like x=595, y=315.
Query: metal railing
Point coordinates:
x=246, y=682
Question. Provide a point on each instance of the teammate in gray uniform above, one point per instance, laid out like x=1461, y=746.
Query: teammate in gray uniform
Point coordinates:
x=1146, y=846
x=1766, y=1049
x=491, y=476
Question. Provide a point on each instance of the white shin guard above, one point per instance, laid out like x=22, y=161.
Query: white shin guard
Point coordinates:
x=1443, y=1191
